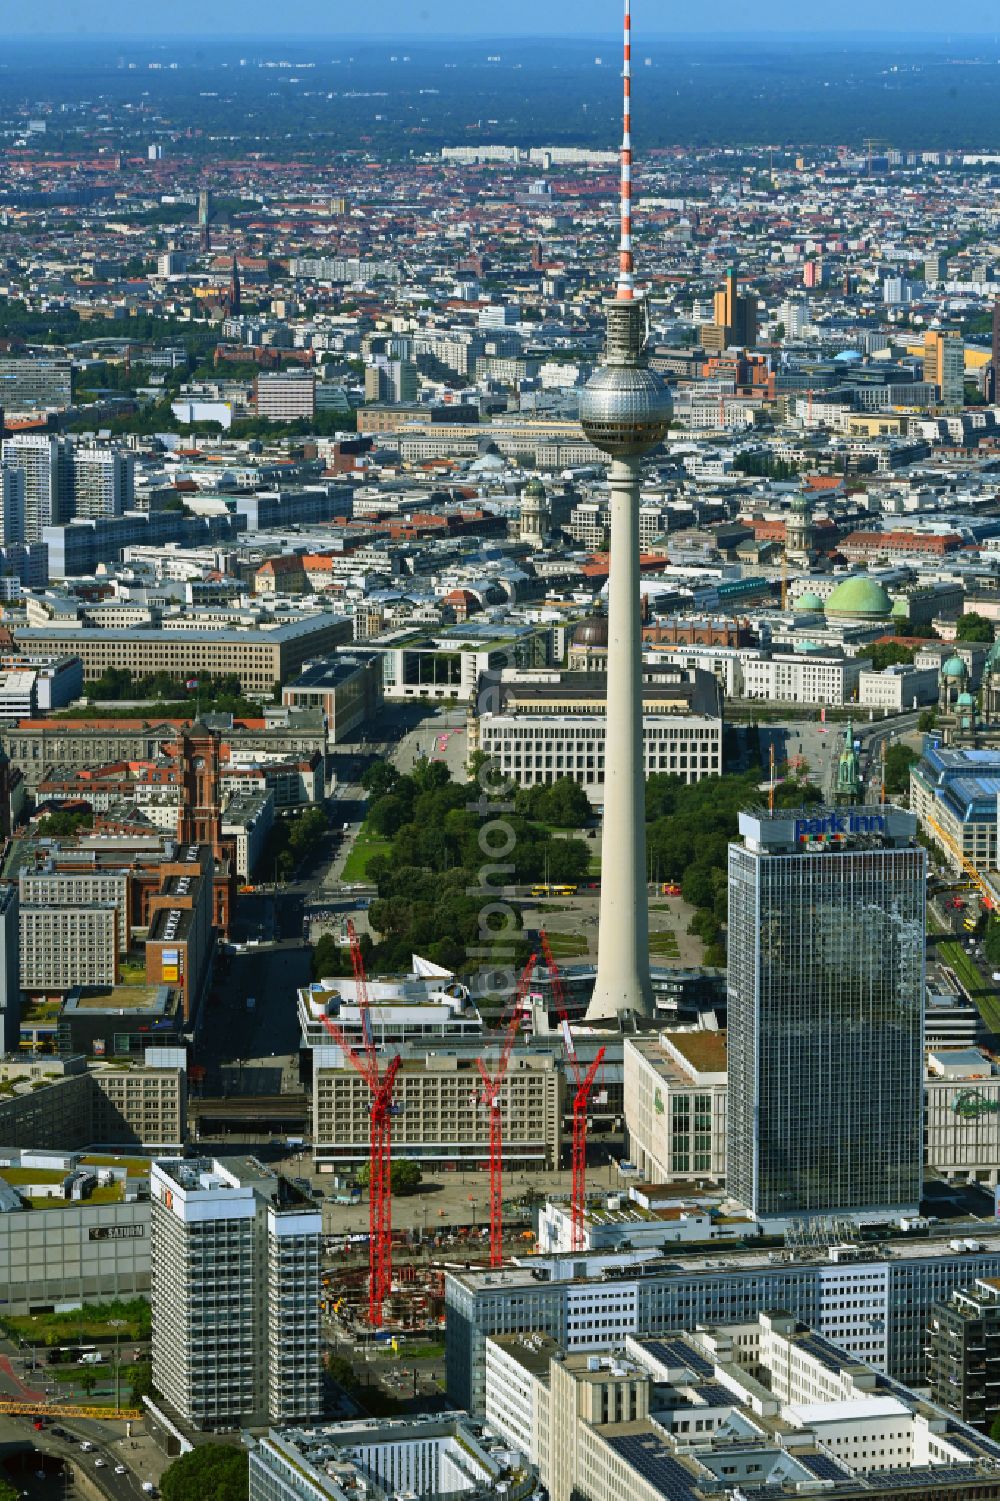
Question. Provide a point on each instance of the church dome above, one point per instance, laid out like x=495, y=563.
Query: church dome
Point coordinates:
x=966, y=701
x=533, y=490
x=592, y=632
x=954, y=668
x=859, y=598
x=808, y=601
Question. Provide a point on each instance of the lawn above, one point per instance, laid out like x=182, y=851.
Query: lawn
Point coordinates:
x=365, y=848
x=135, y=1167
x=664, y=945
x=567, y=945
x=91, y=1323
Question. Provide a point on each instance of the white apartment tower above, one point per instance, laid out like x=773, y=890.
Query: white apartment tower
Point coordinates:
x=103, y=481
x=235, y=1286
x=47, y=463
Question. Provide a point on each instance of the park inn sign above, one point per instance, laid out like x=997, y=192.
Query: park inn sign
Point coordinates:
x=836, y=825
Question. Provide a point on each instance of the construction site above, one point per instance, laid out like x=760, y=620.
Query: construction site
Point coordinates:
x=390, y=1288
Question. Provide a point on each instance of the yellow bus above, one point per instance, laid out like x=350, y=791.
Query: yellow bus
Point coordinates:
x=543, y=890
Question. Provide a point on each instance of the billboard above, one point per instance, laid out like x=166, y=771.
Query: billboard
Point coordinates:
x=170, y=964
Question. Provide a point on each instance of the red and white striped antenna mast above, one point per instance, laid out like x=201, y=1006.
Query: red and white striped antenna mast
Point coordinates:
x=626, y=266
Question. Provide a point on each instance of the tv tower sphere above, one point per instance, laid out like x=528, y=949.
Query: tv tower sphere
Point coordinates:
x=625, y=408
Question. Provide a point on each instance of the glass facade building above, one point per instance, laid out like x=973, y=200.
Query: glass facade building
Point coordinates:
x=826, y=985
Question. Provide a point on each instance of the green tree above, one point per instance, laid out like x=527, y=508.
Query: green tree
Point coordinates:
x=973, y=627
x=379, y=778
x=209, y=1473
x=898, y=760
x=991, y=942
x=140, y=1381
x=927, y=720
x=8, y=1492
x=406, y=1177
x=889, y=654
x=88, y=1381
x=65, y=823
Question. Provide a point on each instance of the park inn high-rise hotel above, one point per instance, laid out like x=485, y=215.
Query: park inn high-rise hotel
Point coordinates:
x=826, y=986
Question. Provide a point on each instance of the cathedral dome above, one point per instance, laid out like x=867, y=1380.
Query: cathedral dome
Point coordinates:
x=592, y=632
x=859, y=598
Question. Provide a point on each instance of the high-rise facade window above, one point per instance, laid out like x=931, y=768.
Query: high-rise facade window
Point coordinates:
x=826, y=981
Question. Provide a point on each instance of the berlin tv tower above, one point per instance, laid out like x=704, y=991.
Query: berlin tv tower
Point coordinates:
x=625, y=411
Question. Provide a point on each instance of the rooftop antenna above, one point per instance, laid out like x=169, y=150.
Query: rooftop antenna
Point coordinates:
x=626, y=265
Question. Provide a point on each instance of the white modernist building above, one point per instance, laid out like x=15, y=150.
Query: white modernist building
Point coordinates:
x=236, y=1255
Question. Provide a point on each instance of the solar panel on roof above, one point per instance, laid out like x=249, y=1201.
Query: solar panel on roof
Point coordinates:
x=823, y=1467
x=924, y=1476
x=648, y=1457
x=679, y=1352
x=973, y=1447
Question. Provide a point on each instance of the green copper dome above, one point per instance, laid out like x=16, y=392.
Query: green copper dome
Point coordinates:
x=966, y=701
x=808, y=601
x=992, y=663
x=860, y=597
x=954, y=668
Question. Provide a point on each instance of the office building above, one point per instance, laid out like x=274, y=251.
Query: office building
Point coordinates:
x=826, y=988
x=347, y=689
x=439, y=1457
x=48, y=480
x=28, y=385
x=395, y=381
x=873, y=1303
x=442, y=1120
x=65, y=947
x=63, y=1104
x=260, y=657
x=103, y=482
x=676, y=1105
x=285, y=395
x=56, y=886
x=236, y=1255
x=944, y=366
x=734, y=317
x=547, y=725
x=963, y=1353
x=85, y=745
x=753, y=1409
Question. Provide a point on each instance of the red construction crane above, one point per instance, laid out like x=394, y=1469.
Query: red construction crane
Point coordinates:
x=492, y=1084
x=584, y=1082
x=380, y=1157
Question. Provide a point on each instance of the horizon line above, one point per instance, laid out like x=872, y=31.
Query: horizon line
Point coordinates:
x=453, y=38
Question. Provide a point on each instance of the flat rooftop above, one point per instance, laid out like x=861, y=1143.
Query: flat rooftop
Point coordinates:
x=118, y=999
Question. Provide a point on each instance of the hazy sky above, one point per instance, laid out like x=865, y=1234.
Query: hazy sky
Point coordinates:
x=433, y=18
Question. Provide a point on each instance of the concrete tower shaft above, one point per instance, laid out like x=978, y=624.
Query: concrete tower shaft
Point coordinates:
x=625, y=411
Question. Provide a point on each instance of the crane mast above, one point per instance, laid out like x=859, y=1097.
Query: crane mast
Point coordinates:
x=583, y=1084
x=492, y=1085
x=381, y=1111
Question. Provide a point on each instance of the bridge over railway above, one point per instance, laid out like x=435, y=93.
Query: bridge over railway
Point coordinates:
x=248, y=1115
